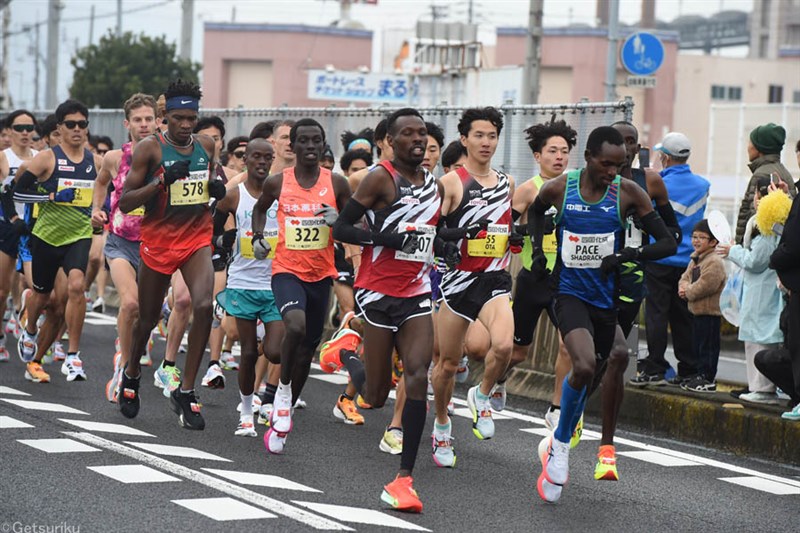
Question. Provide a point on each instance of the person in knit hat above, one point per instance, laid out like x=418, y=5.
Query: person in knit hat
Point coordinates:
x=764, y=152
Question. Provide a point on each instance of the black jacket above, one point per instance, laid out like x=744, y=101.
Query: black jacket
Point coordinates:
x=785, y=260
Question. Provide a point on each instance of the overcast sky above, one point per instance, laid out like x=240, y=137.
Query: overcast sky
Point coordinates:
x=163, y=17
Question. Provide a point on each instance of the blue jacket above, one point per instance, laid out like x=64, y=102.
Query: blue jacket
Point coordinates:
x=688, y=194
x=761, y=300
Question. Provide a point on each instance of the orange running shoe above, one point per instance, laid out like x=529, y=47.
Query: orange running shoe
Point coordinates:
x=400, y=494
x=606, y=467
x=345, y=410
x=329, y=355
x=362, y=403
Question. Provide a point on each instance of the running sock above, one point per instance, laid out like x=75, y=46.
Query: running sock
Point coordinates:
x=344, y=395
x=284, y=390
x=190, y=391
x=72, y=354
x=247, y=404
x=269, y=394
x=553, y=408
x=355, y=367
x=571, y=403
x=166, y=363
x=481, y=396
x=210, y=363
x=414, y=414
x=442, y=428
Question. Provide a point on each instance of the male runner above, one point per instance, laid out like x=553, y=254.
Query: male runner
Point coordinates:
x=248, y=296
x=433, y=150
x=61, y=180
x=171, y=176
x=281, y=141
x=595, y=201
x=303, y=266
x=477, y=207
x=122, y=246
x=401, y=201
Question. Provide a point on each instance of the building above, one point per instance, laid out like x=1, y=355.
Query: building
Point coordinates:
x=775, y=29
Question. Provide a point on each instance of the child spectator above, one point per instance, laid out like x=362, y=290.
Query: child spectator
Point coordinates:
x=762, y=302
x=700, y=285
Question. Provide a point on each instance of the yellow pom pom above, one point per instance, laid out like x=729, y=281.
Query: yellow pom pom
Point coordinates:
x=772, y=209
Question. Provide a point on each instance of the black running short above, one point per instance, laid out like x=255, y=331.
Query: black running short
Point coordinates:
x=47, y=259
x=531, y=297
x=573, y=313
x=465, y=293
x=9, y=240
x=310, y=297
x=344, y=270
x=390, y=312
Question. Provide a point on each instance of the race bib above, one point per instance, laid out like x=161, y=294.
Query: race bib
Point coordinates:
x=424, y=251
x=246, y=244
x=579, y=250
x=138, y=212
x=35, y=213
x=307, y=233
x=633, y=235
x=549, y=241
x=191, y=190
x=494, y=245
x=83, y=191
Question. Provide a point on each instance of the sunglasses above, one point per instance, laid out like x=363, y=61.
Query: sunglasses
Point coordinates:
x=23, y=127
x=36, y=139
x=102, y=152
x=238, y=155
x=70, y=124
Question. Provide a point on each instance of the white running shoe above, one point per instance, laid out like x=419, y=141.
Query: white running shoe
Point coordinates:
x=26, y=346
x=59, y=353
x=4, y=357
x=551, y=418
x=72, y=367
x=481, y=411
x=274, y=441
x=214, y=378
x=462, y=372
x=557, y=468
x=498, y=397
x=228, y=361
x=264, y=413
x=246, y=427
x=281, y=419
x=444, y=455
x=548, y=491
x=300, y=403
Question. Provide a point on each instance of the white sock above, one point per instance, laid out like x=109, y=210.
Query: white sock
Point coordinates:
x=247, y=404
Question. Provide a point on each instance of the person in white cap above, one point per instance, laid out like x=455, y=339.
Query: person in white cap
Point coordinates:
x=688, y=194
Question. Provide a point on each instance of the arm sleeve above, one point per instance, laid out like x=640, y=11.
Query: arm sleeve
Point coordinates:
x=344, y=229
x=670, y=220
x=26, y=192
x=219, y=224
x=7, y=202
x=665, y=244
x=446, y=233
x=536, y=222
x=515, y=215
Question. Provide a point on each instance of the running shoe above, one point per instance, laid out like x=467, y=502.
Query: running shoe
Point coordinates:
x=281, y=416
x=767, y=398
x=462, y=372
x=606, y=467
x=48, y=357
x=274, y=441
x=72, y=367
x=451, y=408
x=187, y=407
x=4, y=357
x=498, y=398
x=548, y=491
x=22, y=316
x=112, y=387
x=300, y=403
x=551, y=417
x=330, y=359
x=642, y=379
x=128, y=397
x=12, y=326
x=246, y=427
x=228, y=361
x=482, y=423
x=264, y=413
x=146, y=360
x=699, y=384
x=99, y=305
x=214, y=378
x=361, y=403
x=34, y=372
x=793, y=415
x=167, y=378
x=392, y=441
x=345, y=410
x=59, y=353
x=400, y=494
x=444, y=455
x=254, y=408
x=397, y=369
x=26, y=346
x=556, y=469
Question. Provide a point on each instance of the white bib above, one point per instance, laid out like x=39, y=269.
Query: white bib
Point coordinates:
x=585, y=250
x=424, y=251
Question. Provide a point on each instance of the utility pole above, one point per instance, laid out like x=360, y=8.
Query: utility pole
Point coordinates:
x=186, y=29
x=611, y=64
x=51, y=79
x=5, y=96
x=470, y=12
x=119, y=19
x=37, y=57
x=91, y=25
x=533, y=53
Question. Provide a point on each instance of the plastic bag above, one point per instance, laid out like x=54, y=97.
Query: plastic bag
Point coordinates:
x=730, y=300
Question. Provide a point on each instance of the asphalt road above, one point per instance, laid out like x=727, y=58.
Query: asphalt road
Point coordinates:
x=66, y=461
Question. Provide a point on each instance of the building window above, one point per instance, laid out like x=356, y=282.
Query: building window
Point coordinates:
x=723, y=92
x=775, y=94
x=717, y=92
x=735, y=94
x=796, y=97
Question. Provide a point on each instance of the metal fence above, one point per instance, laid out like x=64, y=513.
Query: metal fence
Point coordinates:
x=513, y=155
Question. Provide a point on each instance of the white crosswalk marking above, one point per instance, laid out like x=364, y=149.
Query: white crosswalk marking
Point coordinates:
x=9, y=390
x=221, y=509
x=6, y=422
x=260, y=480
x=358, y=515
x=658, y=458
x=177, y=451
x=336, y=379
x=45, y=406
x=133, y=473
x=466, y=413
x=58, y=445
x=104, y=427
x=99, y=319
x=544, y=432
x=765, y=485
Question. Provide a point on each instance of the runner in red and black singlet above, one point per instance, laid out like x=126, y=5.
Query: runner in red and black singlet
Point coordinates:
x=171, y=176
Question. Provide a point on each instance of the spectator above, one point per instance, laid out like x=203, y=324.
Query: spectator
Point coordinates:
x=235, y=149
x=5, y=134
x=701, y=284
x=776, y=365
x=762, y=301
x=764, y=152
x=786, y=262
x=327, y=160
x=688, y=194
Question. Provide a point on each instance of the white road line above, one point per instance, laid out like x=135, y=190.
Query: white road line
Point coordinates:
x=58, y=445
x=259, y=500
x=260, y=480
x=765, y=485
x=336, y=379
x=133, y=473
x=99, y=319
x=6, y=422
x=45, y=406
x=9, y=390
x=177, y=451
x=358, y=515
x=105, y=427
x=658, y=458
x=544, y=432
x=224, y=509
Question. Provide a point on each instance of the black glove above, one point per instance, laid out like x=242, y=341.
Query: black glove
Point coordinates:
x=226, y=240
x=477, y=230
x=406, y=241
x=612, y=262
x=549, y=224
x=176, y=171
x=515, y=242
x=216, y=189
x=452, y=255
x=21, y=227
x=538, y=264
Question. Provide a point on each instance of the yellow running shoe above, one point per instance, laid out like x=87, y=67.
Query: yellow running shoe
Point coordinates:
x=361, y=403
x=606, y=467
x=576, y=435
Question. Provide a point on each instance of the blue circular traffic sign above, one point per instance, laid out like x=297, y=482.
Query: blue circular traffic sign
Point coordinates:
x=642, y=54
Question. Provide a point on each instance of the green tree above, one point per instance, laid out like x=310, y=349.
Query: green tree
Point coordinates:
x=108, y=72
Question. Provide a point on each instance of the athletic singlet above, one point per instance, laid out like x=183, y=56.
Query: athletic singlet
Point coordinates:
x=127, y=226
x=62, y=223
x=180, y=217
x=587, y=232
x=492, y=203
x=631, y=274
x=393, y=272
x=14, y=161
x=549, y=244
x=305, y=243
x=245, y=271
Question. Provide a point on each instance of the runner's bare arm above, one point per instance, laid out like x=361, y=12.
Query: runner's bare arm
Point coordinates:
x=522, y=199
x=341, y=188
x=4, y=170
x=270, y=191
x=144, y=163
x=40, y=168
x=107, y=172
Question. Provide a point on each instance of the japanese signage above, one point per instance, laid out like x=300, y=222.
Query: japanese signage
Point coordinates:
x=357, y=87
